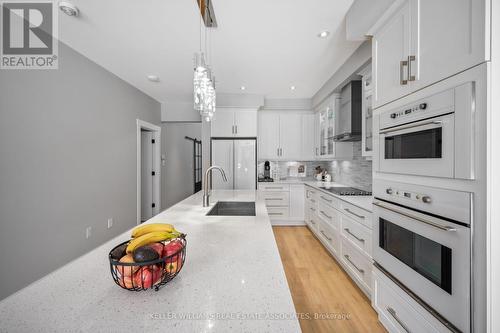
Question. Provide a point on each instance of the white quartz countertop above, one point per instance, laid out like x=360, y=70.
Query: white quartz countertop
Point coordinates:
x=364, y=202
x=233, y=280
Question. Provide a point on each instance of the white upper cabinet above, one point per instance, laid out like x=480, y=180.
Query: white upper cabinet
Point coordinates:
x=308, y=137
x=269, y=135
x=245, y=122
x=448, y=36
x=223, y=123
x=229, y=122
x=390, y=49
x=291, y=136
x=425, y=41
x=286, y=135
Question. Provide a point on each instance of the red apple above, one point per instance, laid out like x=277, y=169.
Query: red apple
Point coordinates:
x=158, y=247
x=172, y=247
x=147, y=276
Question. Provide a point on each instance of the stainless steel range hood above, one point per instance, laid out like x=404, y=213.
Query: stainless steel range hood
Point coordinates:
x=348, y=122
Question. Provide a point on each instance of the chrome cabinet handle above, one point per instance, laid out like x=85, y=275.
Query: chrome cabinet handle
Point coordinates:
x=313, y=222
x=325, y=235
x=235, y=129
x=274, y=188
x=398, y=128
x=274, y=199
x=402, y=64
x=326, y=215
x=322, y=197
x=313, y=209
x=353, y=213
x=394, y=315
x=410, y=77
x=232, y=129
x=353, y=235
x=397, y=211
x=348, y=258
x=312, y=200
x=275, y=213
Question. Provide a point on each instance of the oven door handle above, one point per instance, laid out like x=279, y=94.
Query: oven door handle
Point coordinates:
x=444, y=228
x=403, y=127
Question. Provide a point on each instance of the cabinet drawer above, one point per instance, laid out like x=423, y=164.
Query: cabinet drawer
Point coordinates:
x=395, y=313
x=329, y=236
x=311, y=195
x=274, y=187
x=329, y=215
x=357, y=214
x=311, y=210
x=276, y=199
x=329, y=200
x=312, y=222
x=356, y=233
x=358, y=264
x=277, y=213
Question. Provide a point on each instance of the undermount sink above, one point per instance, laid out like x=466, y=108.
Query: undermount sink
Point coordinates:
x=233, y=208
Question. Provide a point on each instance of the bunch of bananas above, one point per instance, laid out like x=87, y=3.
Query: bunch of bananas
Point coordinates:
x=151, y=233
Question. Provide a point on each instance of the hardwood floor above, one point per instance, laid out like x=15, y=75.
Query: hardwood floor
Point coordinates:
x=319, y=285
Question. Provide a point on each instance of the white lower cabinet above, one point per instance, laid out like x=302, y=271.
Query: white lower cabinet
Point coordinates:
x=345, y=231
x=397, y=311
x=284, y=202
x=359, y=266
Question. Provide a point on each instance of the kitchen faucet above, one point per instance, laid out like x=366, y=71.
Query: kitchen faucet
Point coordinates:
x=206, y=196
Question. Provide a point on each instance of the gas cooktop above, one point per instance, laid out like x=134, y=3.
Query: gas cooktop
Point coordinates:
x=342, y=190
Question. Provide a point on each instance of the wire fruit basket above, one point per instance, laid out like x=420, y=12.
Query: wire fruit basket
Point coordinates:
x=138, y=276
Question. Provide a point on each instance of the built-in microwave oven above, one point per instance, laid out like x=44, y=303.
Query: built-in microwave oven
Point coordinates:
x=430, y=137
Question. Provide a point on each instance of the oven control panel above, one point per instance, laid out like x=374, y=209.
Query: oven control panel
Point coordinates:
x=408, y=195
x=411, y=110
x=428, y=107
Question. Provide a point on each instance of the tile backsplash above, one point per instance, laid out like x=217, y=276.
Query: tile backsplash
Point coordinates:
x=355, y=172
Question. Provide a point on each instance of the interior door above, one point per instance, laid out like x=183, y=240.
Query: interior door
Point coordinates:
x=223, y=123
x=245, y=122
x=390, y=46
x=245, y=165
x=291, y=136
x=223, y=156
x=147, y=157
x=445, y=41
x=268, y=135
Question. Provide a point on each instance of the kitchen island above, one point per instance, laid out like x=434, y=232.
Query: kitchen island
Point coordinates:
x=233, y=280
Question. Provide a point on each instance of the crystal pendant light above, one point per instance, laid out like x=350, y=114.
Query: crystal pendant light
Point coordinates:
x=200, y=73
x=203, y=83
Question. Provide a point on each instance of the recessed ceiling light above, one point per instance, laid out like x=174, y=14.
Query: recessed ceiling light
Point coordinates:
x=324, y=34
x=292, y=87
x=68, y=8
x=153, y=78
x=243, y=87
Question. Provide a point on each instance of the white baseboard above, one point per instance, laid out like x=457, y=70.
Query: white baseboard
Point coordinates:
x=287, y=223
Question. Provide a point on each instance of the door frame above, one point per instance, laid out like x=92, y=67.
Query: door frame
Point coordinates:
x=143, y=125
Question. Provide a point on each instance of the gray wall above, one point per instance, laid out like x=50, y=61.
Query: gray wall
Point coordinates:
x=67, y=161
x=177, y=173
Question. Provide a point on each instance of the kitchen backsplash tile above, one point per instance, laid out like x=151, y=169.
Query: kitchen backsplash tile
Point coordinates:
x=355, y=172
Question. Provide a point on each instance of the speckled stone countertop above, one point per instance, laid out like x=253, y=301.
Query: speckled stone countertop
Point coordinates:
x=233, y=281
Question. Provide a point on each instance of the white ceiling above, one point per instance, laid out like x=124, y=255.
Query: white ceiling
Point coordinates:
x=265, y=45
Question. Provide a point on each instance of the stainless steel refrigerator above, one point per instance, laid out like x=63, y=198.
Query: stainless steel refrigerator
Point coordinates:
x=238, y=158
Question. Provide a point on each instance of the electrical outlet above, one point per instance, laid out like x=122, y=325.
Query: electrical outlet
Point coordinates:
x=88, y=232
x=110, y=222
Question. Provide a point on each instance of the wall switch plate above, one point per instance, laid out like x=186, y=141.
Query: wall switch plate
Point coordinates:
x=110, y=222
x=88, y=232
